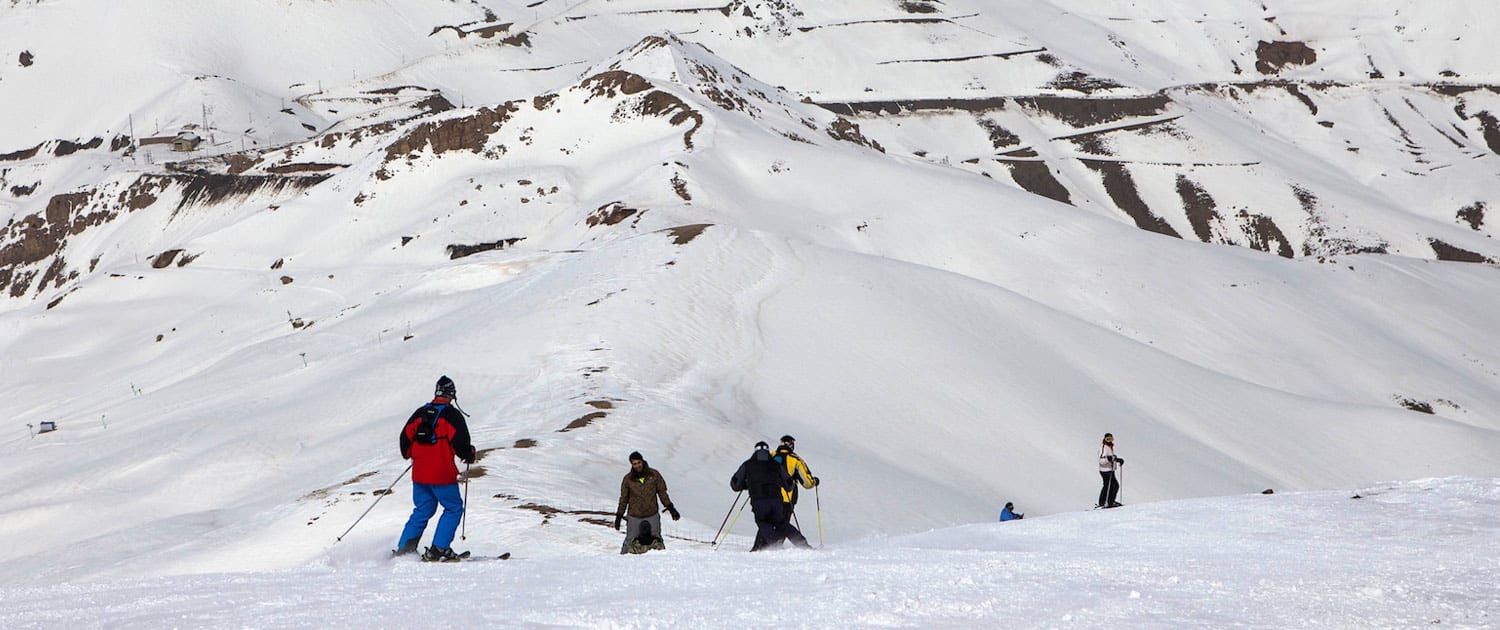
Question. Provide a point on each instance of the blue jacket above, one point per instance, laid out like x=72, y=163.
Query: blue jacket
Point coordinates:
x=1007, y=515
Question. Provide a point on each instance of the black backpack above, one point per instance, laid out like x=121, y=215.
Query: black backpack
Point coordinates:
x=763, y=478
x=427, y=428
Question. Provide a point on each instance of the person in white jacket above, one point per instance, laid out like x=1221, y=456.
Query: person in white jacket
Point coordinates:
x=1108, y=464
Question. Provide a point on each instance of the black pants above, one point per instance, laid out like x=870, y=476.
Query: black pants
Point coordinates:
x=1110, y=490
x=769, y=515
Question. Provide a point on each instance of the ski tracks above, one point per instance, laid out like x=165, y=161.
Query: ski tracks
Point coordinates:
x=750, y=269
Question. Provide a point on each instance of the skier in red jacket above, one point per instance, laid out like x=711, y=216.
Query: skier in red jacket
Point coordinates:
x=432, y=437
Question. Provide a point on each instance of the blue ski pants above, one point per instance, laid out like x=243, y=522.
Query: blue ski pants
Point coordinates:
x=425, y=498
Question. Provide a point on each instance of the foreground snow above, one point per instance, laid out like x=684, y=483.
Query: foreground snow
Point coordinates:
x=1409, y=554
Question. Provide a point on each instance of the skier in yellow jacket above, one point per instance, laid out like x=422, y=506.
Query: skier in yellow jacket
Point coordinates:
x=796, y=468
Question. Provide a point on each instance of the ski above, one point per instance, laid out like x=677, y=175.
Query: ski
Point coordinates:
x=468, y=556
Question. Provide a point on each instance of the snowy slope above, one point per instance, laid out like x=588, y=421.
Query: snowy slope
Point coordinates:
x=1403, y=555
x=675, y=228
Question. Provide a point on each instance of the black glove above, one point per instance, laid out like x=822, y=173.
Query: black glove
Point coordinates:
x=673, y=511
x=1120, y=461
x=473, y=455
x=618, y=518
x=815, y=482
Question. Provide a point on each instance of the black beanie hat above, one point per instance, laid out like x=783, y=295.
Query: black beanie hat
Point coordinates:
x=761, y=445
x=446, y=389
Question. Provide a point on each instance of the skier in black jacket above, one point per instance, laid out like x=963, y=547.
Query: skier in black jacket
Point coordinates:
x=764, y=479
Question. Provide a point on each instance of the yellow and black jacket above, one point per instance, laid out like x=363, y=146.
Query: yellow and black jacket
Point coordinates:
x=797, y=470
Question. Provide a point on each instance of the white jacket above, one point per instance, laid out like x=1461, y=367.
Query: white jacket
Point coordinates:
x=1106, y=457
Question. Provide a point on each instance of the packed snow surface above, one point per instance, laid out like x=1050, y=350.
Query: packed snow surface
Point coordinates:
x=1408, y=554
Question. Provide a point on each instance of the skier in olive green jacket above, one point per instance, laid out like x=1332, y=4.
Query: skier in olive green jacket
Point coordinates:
x=639, y=491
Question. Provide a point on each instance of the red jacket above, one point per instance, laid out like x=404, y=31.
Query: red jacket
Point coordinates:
x=432, y=464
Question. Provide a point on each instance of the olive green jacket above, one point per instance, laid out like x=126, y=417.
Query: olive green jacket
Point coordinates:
x=639, y=492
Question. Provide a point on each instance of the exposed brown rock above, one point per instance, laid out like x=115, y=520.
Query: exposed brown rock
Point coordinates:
x=1263, y=232
x=611, y=83
x=1272, y=57
x=1473, y=214
x=212, y=188
x=34, y=238
x=1416, y=405
x=1445, y=251
x=332, y=138
x=468, y=133
x=520, y=40
x=1036, y=178
x=240, y=162
x=144, y=191
x=68, y=147
x=1121, y=188
x=1294, y=90
x=679, y=186
x=843, y=129
x=1200, y=207
x=583, y=421
x=164, y=259
x=611, y=213
x=1491, y=127
x=55, y=275
x=456, y=252
x=1000, y=137
x=659, y=103
x=23, y=154
x=1082, y=82
x=684, y=234
x=303, y=167
x=488, y=32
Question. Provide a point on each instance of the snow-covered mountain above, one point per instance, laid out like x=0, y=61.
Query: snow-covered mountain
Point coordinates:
x=946, y=244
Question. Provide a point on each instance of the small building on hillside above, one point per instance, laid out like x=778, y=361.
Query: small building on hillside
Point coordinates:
x=186, y=141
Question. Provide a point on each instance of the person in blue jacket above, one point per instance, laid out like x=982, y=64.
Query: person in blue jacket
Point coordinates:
x=1009, y=514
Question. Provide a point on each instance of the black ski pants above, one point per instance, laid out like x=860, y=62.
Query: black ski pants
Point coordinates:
x=770, y=520
x=1110, y=490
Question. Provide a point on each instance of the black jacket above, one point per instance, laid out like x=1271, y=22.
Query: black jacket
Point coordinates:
x=762, y=476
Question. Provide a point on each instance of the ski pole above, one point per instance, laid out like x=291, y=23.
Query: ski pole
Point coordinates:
x=731, y=524
x=819, y=501
x=726, y=515
x=372, y=505
x=464, y=521
x=1120, y=483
